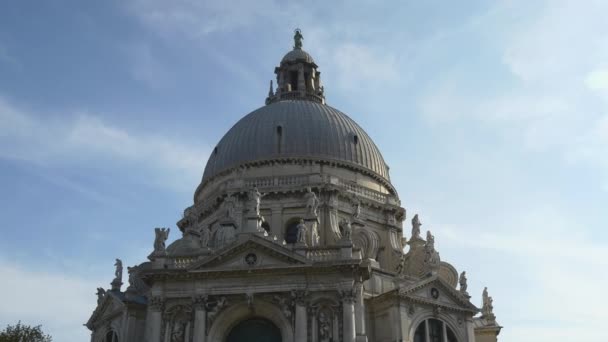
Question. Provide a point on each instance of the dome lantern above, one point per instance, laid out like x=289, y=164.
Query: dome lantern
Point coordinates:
x=297, y=76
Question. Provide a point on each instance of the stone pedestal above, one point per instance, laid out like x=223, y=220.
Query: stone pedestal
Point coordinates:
x=253, y=225
x=346, y=248
x=116, y=284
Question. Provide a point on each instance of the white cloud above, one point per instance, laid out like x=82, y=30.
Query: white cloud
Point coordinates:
x=85, y=139
x=553, y=259
x=555, y=99
x=61, y=303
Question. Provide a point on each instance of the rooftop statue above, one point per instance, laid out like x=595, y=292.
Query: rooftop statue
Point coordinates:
x=205, y=236
x=118, y=272
x=463, y=283
x=415, y=227
x=162, y=234
x=256, y=198
x=100, y=294
x=312, y=202
x=297, y=39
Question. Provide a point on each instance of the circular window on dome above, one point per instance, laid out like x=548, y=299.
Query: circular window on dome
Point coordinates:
x=251, y=259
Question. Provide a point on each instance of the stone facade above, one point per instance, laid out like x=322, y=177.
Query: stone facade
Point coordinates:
x=300, y=236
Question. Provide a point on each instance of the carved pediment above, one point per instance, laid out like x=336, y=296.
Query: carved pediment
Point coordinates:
x=255, y=252
x=437, y=292
x=110, y=307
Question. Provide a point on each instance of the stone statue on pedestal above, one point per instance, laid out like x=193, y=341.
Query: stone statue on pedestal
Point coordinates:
x=255, y=197
x=301, y=237
x=118, y=271
x=205, y=236
x=463, y=283
x=347, y=229
x=312, y=202
x=100, y=294
x=415, y=227
x=162, y=234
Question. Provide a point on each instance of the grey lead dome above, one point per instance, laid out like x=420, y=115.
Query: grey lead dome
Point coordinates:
x=296, y=128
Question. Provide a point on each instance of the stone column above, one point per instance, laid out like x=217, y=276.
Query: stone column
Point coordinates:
x=470, y=330
x=348, y=310
x=426, y=330
x=200, y=319
x=301, y=331
x=359, y=313
x=154, y=320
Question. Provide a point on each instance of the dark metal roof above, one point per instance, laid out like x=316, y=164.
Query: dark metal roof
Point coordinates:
x=298, y=129
x=297, y=55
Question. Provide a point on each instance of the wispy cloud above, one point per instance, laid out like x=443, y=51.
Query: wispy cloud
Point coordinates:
x=36, y=297
x=87, y=140
x=552, y=95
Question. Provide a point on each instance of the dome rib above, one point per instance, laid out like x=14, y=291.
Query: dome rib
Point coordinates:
x=309, y=129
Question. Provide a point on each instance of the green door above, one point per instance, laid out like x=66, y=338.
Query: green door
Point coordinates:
x=255, y=330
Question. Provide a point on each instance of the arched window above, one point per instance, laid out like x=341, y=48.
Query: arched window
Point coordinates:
x=291, y=230
x=111, y=336
x=434, y=330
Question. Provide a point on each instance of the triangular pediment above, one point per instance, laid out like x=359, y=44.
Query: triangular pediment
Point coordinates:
x=254, y=252
x=110, y=307
x=436, y=291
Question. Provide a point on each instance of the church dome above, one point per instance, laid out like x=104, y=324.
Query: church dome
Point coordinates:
x=296, y=129
x=297, y=55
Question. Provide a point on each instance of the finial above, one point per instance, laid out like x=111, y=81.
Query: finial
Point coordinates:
x=297, y=39
x=271, y=91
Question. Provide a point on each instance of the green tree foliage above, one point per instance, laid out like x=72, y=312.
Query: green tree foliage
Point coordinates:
x=23, y=333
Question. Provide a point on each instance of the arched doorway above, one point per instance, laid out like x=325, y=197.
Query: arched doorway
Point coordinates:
x=255, y=329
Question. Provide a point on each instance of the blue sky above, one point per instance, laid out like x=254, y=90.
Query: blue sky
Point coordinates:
x=493, y=118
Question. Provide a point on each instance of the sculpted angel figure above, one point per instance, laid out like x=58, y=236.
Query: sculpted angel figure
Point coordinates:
x=415, y=227
x=297, y=38
x=162, y=234
x=312, y=202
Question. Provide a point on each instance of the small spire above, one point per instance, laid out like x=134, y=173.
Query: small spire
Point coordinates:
x=271, y=91
x=297, y=39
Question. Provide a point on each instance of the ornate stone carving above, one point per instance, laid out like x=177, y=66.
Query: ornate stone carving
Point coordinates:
x=312, y=202
x=348, y=296
x=487, y=308
x=356, y=202
x=300, y=297
x=205, y=236
x=117, y=282
x=346, y=229
x=325, y=326
x=101, y=293
x=301, y=237
x=463, y=283
x=416, y=227
x=162, y=234
x=178, y=319
x=200, y=302
x=255, y=198
x=156, y=303
x=229, y=206
x=286, y=304
x=297, y=39
x=215, y=306
x=431, y=259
